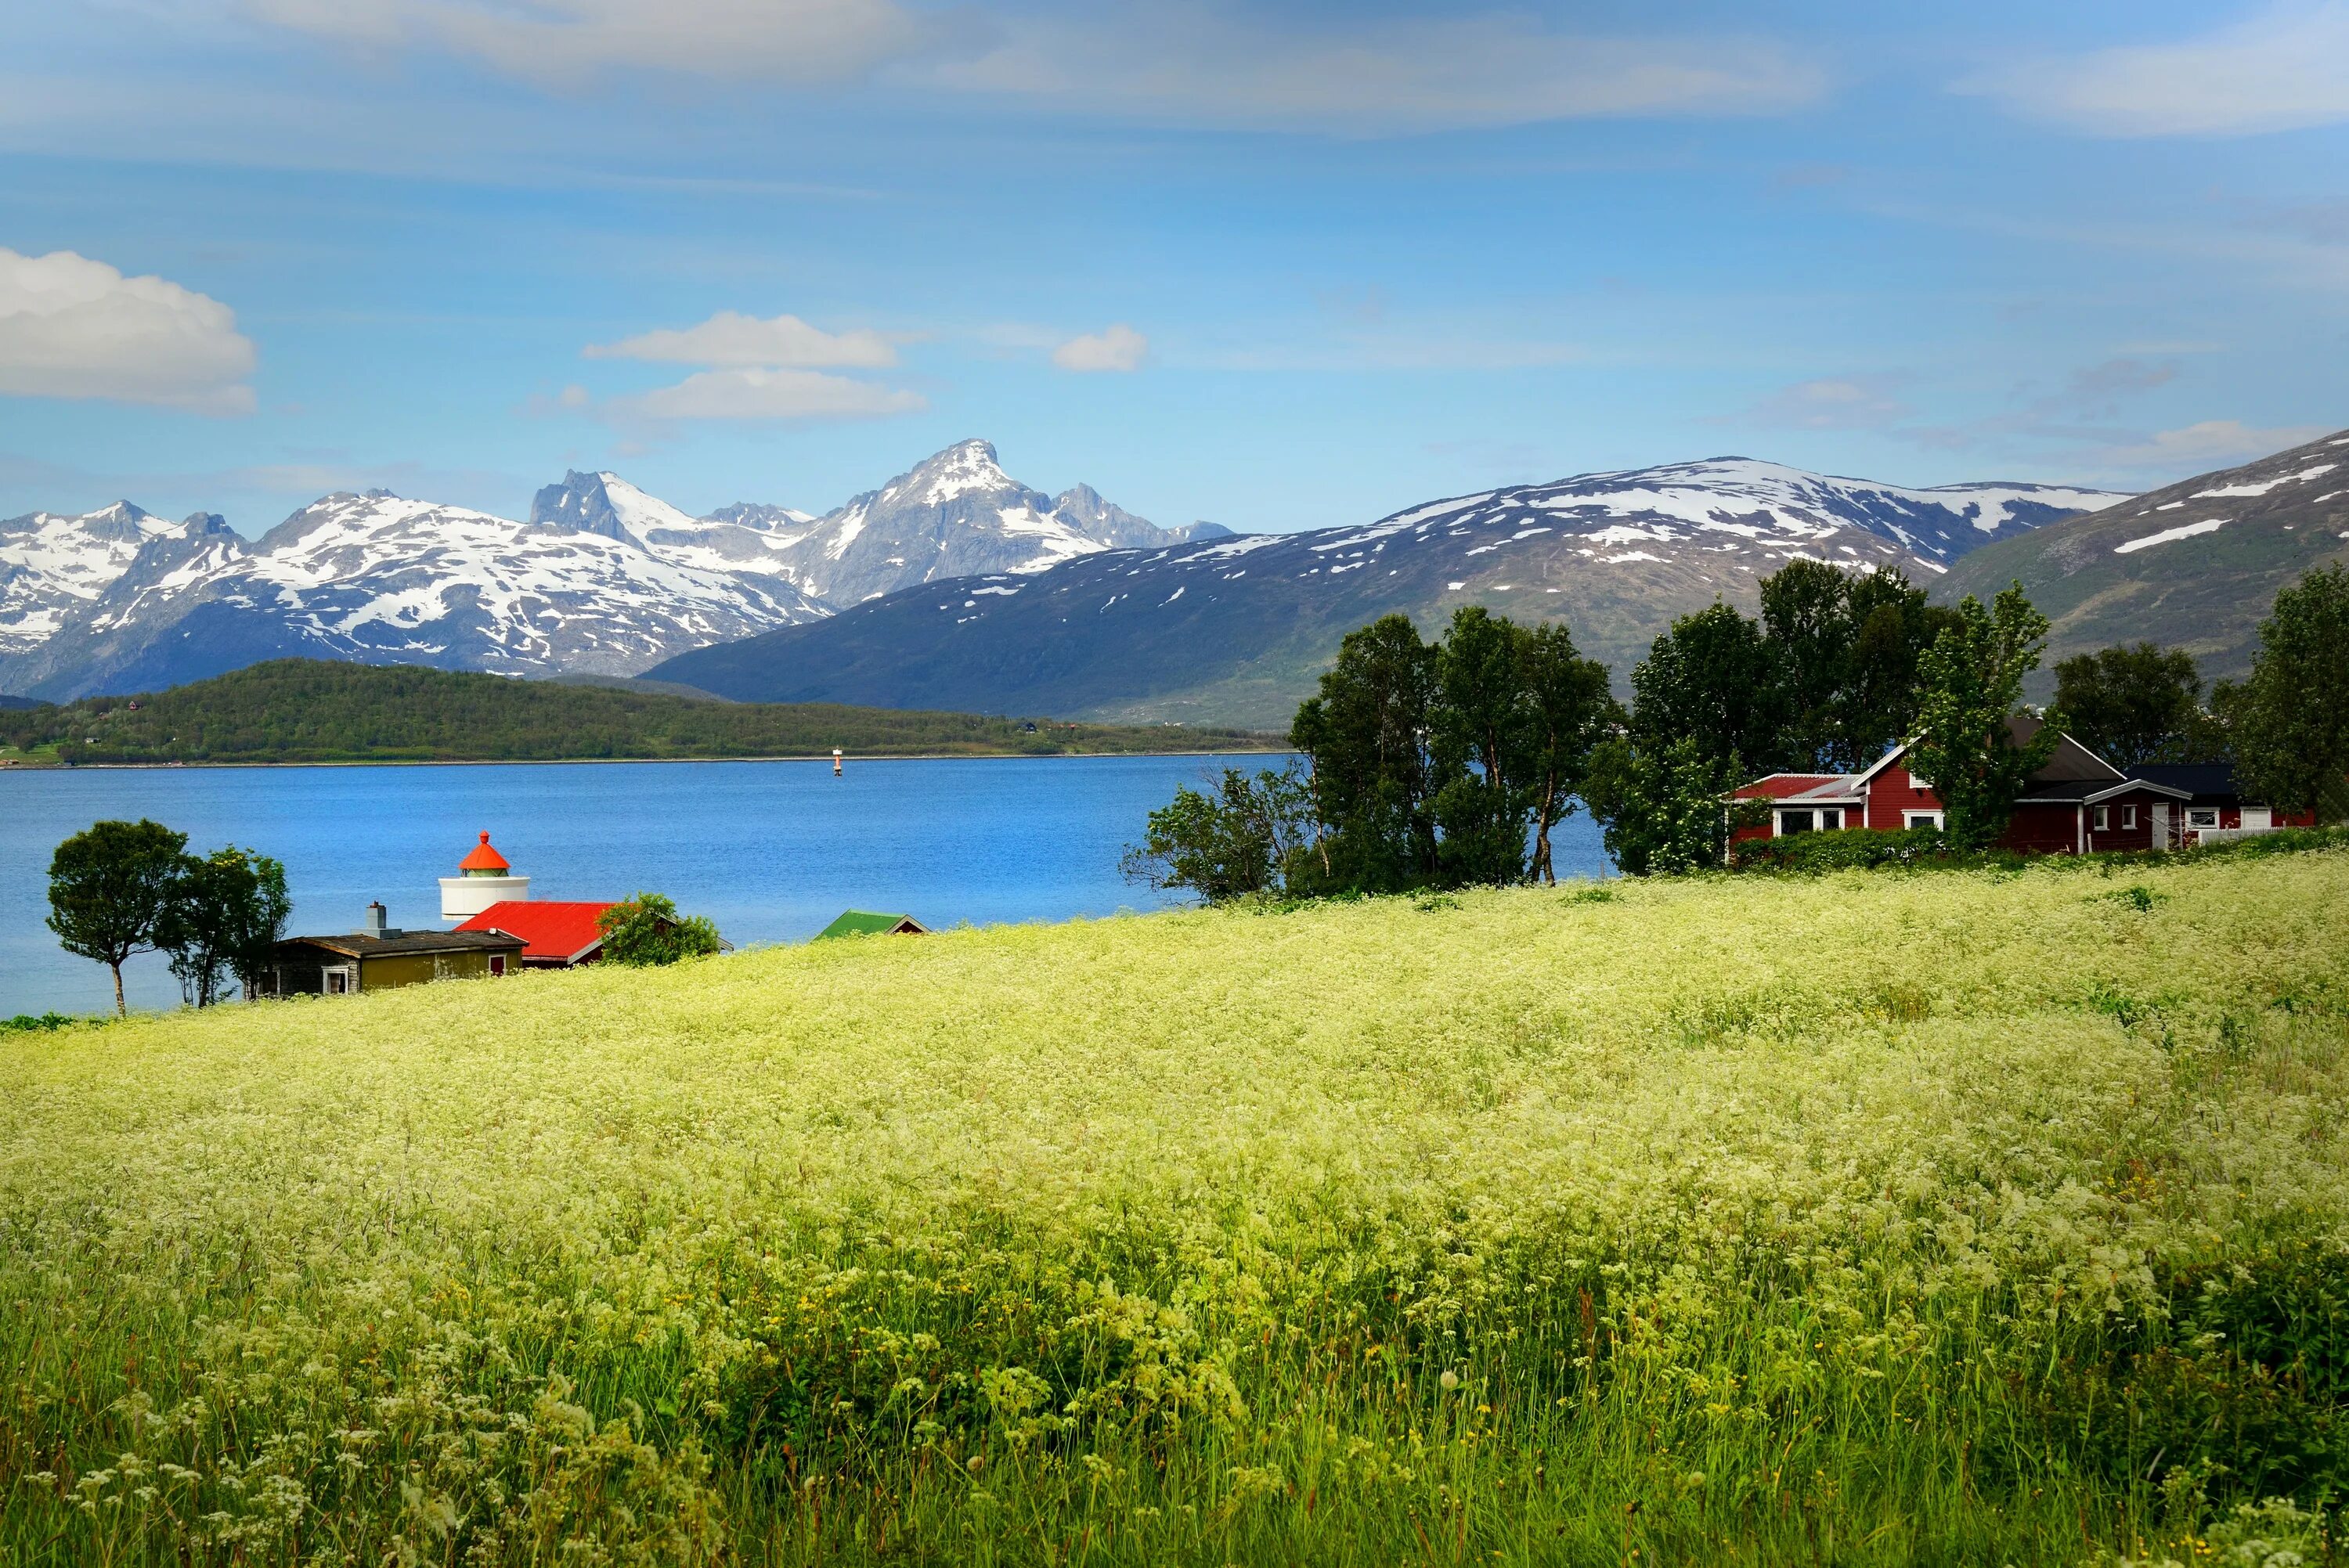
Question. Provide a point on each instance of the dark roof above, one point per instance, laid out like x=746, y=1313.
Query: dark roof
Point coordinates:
x=2069, y=791
x=411, y=942
x=2210, y=782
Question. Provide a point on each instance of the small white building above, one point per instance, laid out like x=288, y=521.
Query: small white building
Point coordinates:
x=482, y=878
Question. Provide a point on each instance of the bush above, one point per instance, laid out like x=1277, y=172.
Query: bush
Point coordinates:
x=1860, y=849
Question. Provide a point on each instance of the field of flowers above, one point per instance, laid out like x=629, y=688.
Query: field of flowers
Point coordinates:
x=1874, y=1218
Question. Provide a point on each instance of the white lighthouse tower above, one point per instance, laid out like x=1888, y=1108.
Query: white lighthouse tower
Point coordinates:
x=482, y=878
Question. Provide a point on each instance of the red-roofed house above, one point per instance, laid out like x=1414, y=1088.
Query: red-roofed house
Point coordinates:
x=558, y=935
x=2076, y=803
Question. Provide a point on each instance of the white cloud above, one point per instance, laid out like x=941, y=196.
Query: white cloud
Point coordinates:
x=1178, y=62
x=1199, y=64
x=2210, y=444
x=755, y=392
x=732, y=338
x=1114, y=347
x=790, y=41
x=1832, y=403
x=74, y=327
x=2282, y=71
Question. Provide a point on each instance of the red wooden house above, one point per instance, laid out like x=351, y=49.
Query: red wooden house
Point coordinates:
x=2076, y=803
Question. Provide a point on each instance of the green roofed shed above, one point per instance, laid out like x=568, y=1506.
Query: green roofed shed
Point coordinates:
x=866, y=922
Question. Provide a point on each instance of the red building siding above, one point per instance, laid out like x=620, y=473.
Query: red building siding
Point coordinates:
x=1893, y=795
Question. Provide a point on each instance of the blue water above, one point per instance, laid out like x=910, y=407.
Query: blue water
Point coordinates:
x=772, y=851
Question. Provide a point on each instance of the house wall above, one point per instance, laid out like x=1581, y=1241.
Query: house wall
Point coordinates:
x=2119, y=838
x=2043, y=830
x=1893, y=795
x=397, y=969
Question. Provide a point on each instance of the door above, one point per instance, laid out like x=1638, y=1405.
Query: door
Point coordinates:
x=2258, y=819
x=2161, y=824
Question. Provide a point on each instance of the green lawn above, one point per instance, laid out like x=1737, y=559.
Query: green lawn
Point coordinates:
x=1951, y=1218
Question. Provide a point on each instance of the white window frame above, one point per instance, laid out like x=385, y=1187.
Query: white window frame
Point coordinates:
x=1913, y=821
x=2128, y=817
x=1815, y=813
x=2194, y=815
x=497, y=964
x=2103, y=821
x=340, y=980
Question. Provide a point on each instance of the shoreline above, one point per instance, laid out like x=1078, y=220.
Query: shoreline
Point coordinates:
x=603, y=761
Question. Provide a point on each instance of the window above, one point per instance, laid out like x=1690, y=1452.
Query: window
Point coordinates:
x=497, y=964
x=2128, y=816
x=1791, y=822
x=1922, y=820
x=338, y=982
x=2201, y=816
x=2104, y=819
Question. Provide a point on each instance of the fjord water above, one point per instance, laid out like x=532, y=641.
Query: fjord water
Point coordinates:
x=772, y=851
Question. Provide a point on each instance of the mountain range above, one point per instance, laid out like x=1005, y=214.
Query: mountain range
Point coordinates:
x=2195, y=564
x=954, y=585
x=1236, y=630
x=602, y=580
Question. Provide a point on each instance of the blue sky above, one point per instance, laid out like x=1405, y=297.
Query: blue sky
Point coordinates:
x=1277, y=266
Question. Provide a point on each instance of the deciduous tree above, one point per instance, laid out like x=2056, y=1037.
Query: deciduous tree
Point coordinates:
x=1971, y=681
x=2291, y=716
x=2136, y=705
x=647, y=929
x=109, y=888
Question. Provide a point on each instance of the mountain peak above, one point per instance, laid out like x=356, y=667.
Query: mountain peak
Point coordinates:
x=959, y=470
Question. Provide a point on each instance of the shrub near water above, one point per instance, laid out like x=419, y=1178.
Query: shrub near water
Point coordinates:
x=1867, y=1218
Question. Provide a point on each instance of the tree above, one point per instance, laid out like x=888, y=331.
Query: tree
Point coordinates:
x=1667, y=807
x=1971, y=680
x=1567, y=711
x=1479, y=729
x=1248, y=836
x=109, y=886
x=1892, y=626
x=647, y=930
x=1807, y=623
x=223, y=917
x=1713, y=679
x=1366, y=736
x=2136, y=705
x=2291, y=716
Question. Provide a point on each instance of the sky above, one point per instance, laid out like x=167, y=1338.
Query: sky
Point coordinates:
x=1276, y=266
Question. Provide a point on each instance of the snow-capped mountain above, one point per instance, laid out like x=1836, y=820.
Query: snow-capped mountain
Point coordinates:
x=1235, y=630
x=383, y=579
x=953, y=515
x=52, y=566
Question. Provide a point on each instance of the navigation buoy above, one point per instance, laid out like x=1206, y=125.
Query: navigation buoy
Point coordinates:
x=835, y=762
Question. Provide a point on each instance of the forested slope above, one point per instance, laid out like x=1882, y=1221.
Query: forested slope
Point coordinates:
x=309, y=710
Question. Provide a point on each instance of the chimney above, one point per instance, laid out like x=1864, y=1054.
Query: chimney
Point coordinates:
x=374, y=926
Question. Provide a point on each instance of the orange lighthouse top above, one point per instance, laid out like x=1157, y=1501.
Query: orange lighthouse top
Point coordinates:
x=484, y=861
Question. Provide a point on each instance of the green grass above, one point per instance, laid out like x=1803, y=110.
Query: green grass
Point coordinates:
x=1975, y=1218
x=313, y=710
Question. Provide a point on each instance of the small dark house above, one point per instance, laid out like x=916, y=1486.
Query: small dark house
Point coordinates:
x=379, y=957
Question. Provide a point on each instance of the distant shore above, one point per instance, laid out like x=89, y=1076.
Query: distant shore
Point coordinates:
x=7, y=766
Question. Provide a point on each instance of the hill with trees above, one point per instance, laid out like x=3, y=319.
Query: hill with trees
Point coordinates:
x=310, y=710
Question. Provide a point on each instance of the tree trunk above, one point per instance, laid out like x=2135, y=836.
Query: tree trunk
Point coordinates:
x=1542, y=870
x=119, y=1010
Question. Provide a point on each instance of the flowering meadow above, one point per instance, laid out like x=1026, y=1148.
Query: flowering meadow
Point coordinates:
x=1880, y=1217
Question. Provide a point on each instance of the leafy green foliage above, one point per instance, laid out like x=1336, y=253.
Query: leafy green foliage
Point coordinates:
x=1666, y=808
x=1440, y=765
x=309, y=710
x=647, y=930
x=2137, y=705
x=2291, y=716
x=111, y=886
x=1973, y=687
x=1714, y=680
x=1253, y=836
x=225, y=913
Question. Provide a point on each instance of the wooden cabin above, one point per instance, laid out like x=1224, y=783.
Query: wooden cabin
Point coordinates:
x=867, y=923
x=380, y=958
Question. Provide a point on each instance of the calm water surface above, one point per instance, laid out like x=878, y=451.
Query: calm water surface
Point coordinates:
x=772, y=851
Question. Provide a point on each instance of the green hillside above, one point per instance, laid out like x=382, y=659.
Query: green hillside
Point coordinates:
x=2204, y=592
x=303, y=710
x=1999, y=1219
